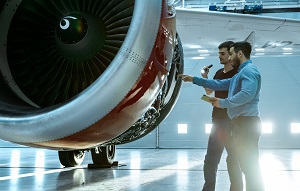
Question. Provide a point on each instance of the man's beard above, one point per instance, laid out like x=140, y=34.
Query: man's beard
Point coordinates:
x=235, y=62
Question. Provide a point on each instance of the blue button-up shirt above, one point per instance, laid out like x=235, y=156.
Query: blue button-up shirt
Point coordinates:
x=243, y=90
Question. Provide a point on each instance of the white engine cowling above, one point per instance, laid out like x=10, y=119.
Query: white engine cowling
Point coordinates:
x=79, y=73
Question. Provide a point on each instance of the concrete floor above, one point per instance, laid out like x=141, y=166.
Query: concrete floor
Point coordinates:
x=23, y=169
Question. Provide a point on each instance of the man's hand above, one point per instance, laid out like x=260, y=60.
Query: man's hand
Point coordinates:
x=204, y=72
x=215, y=101
x=186, y=78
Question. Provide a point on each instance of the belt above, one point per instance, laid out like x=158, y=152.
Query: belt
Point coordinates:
x=240, y=118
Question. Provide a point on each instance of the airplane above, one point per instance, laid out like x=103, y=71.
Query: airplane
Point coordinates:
x=202, y=31
x=86, y=75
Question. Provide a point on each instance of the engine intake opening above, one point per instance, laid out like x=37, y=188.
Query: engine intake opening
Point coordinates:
x=56, y=49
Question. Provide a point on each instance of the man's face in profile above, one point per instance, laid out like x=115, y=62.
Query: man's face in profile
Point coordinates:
x=223, y=55
x=233, y=57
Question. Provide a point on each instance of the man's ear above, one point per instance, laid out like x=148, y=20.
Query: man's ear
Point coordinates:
x=240, y=53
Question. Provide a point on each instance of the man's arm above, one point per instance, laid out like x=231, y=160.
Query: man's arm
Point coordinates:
x=206, y=83
x=186, y=78
x=216, y=85
x=249, y=83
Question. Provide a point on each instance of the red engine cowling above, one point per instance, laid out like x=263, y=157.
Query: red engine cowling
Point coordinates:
x=82, y=73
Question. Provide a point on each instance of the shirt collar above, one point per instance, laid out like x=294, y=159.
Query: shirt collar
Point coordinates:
x=244, y=64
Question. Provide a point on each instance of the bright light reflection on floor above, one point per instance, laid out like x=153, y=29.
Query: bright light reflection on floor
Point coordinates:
x=275, y=175
x=295, y=161
x=135, y=164
x=296, y=168
x=182, y=161
x=39, y=164
x=182, y=166
x=15, y=162
x=138, y=177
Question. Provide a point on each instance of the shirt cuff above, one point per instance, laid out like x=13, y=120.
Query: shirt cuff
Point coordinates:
x=222, y=103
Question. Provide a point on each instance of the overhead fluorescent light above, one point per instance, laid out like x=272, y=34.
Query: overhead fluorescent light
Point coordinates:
x=259, y=49
x=203, y=51
x=198, y=58
x=193, y=46
x=287, y=49
x=204, y=55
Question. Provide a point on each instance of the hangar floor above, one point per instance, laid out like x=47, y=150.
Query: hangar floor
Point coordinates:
x=139, y=169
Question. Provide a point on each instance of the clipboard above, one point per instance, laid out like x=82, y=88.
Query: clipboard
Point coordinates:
x=205, y=98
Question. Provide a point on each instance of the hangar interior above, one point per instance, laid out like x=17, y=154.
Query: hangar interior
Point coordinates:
x=188, y=124
x=171, y=156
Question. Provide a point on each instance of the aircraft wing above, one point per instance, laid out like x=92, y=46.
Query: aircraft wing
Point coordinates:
x=201, y=32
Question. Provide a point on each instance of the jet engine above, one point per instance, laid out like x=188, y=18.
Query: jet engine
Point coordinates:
x=80, y=75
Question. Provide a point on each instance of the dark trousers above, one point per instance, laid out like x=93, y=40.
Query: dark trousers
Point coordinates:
x=220, y=138
x=246, y=132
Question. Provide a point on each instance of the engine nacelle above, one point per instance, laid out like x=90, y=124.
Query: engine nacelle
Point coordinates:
x=79, y=74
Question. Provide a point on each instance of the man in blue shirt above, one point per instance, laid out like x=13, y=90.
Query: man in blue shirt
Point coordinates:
x=242, y=108
x=220, y=134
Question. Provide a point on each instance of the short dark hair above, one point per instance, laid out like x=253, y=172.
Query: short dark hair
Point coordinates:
x=244, y=46
x=226, y=44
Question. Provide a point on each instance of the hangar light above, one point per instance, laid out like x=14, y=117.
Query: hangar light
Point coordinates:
x=260, y=54
x=204, y=55
x=287, y=49
x=198, y=58
x=295, y=127
x=203, y=51
x=259, y=49
x=182, y=128
x=193, y=46
x=267, y=128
